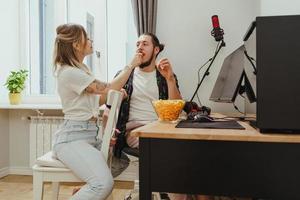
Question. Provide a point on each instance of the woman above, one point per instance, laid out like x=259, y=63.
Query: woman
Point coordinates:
x=76, y=143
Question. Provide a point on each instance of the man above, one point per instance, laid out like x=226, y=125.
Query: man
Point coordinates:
x=150, y=81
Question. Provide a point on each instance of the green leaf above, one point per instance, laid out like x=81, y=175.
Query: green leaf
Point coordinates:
x=15, y=82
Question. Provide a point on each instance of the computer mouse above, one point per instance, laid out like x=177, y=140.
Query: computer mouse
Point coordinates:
x=203, y=118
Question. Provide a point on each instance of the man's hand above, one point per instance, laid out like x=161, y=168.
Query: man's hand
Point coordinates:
x=165, y=68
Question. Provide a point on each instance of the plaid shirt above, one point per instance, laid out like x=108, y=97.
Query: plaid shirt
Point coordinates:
x=125, y=106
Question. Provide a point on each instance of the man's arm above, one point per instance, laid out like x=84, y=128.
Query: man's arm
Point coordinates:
x=165, y=68
x=173, y=91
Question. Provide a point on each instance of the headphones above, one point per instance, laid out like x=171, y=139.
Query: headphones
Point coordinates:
x=192, y=106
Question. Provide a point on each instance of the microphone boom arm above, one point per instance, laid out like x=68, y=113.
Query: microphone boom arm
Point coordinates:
x=207, y=70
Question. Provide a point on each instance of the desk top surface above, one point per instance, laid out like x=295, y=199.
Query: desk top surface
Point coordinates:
x=167, y=130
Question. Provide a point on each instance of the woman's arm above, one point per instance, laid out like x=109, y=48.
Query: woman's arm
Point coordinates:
x=119, y=81
x=101, y=88
x=97, y=87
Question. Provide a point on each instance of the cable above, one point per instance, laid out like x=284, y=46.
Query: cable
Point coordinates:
x=222, y=44
x=250, y=60
x=242, y=96
x=234, y=117
x=199, y=101
x=201, y=68
x=235, y=107
x=198, y=72
x=199, y=78
x=217, y=46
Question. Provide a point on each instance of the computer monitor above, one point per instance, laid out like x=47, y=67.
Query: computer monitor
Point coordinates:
x=230, y=79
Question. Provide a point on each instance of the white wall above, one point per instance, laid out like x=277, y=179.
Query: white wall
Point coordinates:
x=185, y=26
x=280, y=7
x=19, y=138
x=77, y=14
x=116, y=36
x=9, y=40
x=4, y=143
x=9, y=57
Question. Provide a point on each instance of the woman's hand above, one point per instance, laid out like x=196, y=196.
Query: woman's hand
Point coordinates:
x=137, y=60
x=124, y=93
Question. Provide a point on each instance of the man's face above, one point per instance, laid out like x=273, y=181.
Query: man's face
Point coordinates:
x=145, y=46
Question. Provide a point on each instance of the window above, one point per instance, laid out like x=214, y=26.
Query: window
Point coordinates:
x=107, y=23
x=90, y=33
x=47, y=36
x=43, y=19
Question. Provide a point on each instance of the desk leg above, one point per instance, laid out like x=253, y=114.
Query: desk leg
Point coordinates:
x=144, y=168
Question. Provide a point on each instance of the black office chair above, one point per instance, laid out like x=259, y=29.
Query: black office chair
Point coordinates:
x=132, y=151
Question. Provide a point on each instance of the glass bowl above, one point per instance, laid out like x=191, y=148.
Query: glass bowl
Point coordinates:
x=168, y=110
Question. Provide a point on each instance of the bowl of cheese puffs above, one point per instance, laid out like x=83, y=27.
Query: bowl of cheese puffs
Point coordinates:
x=168, y=110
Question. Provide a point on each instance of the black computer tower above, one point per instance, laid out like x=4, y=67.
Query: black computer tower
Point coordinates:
x=278, y=73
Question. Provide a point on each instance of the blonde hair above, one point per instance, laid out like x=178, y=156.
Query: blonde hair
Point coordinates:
x=64, y=52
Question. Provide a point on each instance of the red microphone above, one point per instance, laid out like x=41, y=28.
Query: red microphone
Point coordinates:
x=215, y=21
x=217, y=32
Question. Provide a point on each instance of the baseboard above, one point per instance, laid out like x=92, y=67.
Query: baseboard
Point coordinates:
x=20, y=170
x=4, y=172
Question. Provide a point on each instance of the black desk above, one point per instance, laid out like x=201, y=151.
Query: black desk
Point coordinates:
x=240, y=163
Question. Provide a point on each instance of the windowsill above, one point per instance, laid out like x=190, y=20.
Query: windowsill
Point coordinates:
x=41, y=102
x=41, y=106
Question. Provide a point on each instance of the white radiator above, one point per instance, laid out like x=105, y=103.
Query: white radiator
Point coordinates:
x=42, y=129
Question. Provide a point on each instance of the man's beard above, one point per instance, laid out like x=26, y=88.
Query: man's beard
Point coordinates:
x=147, y=63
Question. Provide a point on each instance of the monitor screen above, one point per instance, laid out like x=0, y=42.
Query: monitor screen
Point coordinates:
x=229, y=81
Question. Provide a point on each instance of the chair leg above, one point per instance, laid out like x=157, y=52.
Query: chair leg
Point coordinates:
x=38, y=185
x=55, y=190
x=136, y=185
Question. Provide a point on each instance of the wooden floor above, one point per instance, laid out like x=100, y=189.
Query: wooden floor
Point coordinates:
x=16, y=187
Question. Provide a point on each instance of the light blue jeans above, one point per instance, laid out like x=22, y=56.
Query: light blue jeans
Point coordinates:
x=77, y=146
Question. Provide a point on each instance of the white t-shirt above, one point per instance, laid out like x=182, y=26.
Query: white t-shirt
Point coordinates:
x=145, y=90
x=76, y=103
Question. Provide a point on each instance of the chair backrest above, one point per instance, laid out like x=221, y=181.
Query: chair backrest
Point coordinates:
x=114, y=99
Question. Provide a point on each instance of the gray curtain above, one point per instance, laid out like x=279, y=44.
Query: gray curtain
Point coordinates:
x=144, y=13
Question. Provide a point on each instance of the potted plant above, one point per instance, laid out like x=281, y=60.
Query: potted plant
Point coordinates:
x=15, y=83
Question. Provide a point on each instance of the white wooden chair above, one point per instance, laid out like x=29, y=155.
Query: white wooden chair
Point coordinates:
x=52, y=170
